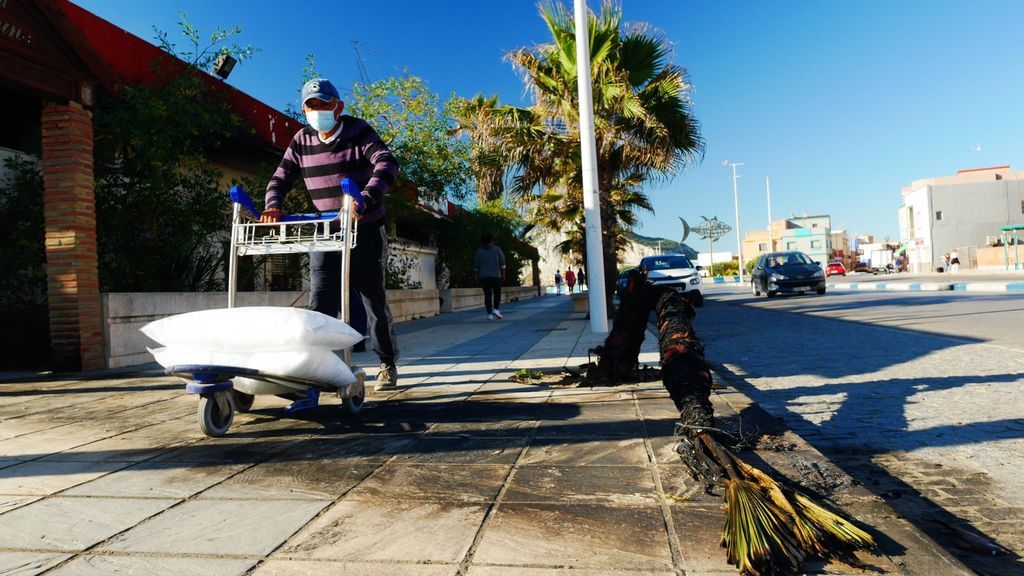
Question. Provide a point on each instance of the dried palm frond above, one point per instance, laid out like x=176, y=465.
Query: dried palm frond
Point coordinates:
x=770, y=528
x=756, y=537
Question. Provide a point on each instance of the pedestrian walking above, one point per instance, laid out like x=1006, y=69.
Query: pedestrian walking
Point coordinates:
x=489, y=262
x=945, y=258
x=558, y=281
x=331, y=148
x=570, y=279
x=581, y=279
x=954, y=261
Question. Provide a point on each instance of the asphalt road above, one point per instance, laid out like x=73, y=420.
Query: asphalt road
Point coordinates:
x=917, y=395
x=994, y=318
x=967, y=276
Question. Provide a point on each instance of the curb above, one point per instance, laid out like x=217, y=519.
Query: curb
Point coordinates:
x=910, y=549
x=723, y=280
x=900, y=286
x=988, y=286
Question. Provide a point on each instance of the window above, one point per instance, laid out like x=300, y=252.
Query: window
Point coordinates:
x=790, y=245
x=815, y=244
x=938, y=215
x=762, y=247
x=814, y=225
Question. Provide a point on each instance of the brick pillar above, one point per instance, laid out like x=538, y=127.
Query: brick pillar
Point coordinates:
x=69, y=206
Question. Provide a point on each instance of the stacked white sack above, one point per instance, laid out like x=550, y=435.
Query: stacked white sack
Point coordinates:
x=281, y=341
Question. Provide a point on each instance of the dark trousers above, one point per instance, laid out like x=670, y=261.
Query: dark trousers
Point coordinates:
x=492, y=293
x=366, y=277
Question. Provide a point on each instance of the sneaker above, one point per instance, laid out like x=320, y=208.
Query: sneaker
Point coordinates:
x=497, y=314
x=387, y=377
x=490, y=316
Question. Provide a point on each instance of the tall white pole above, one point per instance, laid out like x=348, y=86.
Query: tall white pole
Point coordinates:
x=768, y=189
x=736, y=199
x=588, y=151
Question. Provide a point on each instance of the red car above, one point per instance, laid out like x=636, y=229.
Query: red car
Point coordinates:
x=835, y=269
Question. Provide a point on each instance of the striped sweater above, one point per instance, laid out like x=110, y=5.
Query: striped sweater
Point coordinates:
x=357, y=153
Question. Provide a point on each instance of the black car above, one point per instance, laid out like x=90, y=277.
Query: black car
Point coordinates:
x=786, y=273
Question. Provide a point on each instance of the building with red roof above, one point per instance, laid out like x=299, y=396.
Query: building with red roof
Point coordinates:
x=56, y=61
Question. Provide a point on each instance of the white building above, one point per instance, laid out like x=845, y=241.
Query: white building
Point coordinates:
x=958, y=212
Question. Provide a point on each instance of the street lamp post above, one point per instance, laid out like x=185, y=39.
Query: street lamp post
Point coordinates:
x=768, y=189
x=736, y=199
x=588, y=161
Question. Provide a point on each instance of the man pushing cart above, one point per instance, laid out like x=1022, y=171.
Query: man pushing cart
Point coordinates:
x=225, y=356
x=334, y=147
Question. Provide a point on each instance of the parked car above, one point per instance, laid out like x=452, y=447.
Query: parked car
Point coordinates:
x=674, y=271
x=786, y=273
x=835, y=269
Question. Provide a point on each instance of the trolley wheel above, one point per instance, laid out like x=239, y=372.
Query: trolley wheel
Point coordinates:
x=243, y=401
x=216, y=412
x=354, y=404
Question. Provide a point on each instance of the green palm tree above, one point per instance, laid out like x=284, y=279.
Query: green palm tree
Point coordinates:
x=644, y=129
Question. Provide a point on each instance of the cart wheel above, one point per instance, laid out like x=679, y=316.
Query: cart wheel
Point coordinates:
x=216, y=411
x=243, y=401
x=353, y=404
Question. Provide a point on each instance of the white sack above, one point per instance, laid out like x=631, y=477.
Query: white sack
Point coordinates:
x=252, y=328
x=316, y=364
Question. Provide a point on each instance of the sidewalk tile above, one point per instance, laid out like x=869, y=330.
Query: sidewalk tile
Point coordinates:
x=483, y=428
x=611, y=452
x=153, y=566
x=119, y=449
x=8, y=503
x=454, y=483
x=610, y=485
x=323, y=568
x=389, y=530
x=43, y=478
x=244, y=527
x=29, y=563
x=463, y=450
x=157, y=480
x=583, y=536
x=523, y=571
x=320, y=479
x=74, y=523
x=681, y=489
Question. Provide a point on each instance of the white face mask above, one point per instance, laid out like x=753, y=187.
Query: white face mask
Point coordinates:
x=321, y=120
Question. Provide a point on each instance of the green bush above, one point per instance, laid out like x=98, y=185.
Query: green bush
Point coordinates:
x=724, y=269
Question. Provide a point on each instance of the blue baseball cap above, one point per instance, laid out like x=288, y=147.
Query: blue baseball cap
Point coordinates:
x=321, y=89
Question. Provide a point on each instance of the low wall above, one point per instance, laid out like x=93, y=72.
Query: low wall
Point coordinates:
x=457, y=299
x=124, y=313
x=411, y=304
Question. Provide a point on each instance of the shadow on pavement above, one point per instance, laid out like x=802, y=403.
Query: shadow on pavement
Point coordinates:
x=830, y=415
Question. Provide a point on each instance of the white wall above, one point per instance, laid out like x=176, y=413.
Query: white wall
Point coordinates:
x=972, y=211
x=424, y=262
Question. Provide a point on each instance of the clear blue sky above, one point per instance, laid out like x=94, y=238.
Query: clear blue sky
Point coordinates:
x=840, y=102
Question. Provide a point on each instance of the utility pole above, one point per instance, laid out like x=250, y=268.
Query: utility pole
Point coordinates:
x=736, y=199
x=588, y=157
x=363, y=76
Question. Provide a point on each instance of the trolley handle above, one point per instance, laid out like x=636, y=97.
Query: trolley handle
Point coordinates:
x=238, y=196
x=348, y=188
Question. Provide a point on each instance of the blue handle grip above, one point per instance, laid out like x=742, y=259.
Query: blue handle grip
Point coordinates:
x=348, y=188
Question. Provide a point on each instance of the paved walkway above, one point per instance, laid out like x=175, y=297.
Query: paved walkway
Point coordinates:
x=460, y=471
